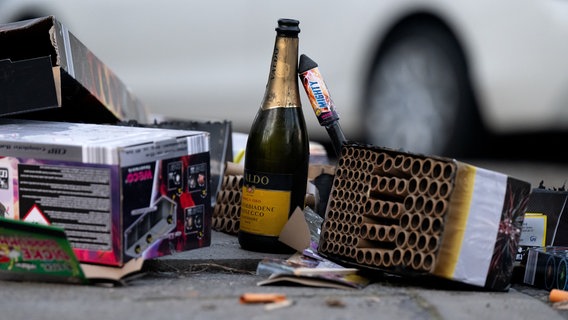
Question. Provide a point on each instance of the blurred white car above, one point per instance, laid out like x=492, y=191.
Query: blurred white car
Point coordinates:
x=418, y=75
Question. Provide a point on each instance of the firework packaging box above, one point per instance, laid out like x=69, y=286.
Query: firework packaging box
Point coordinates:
x=417, y=215
x=548, y=215
x=120, y=193
x=547, y=267
x=46, y=73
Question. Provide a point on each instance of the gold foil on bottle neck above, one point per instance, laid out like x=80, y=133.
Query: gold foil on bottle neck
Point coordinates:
x=282, y=87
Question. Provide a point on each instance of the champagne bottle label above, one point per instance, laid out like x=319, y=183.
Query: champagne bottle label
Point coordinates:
x=265, y=202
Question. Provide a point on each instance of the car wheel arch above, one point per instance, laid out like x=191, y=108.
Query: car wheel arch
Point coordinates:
x=420, y=19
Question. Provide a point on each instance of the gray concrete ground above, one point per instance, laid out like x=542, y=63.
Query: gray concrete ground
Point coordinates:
x=207, y=283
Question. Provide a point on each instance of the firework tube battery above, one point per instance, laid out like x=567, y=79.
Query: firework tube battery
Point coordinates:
x=320, y=100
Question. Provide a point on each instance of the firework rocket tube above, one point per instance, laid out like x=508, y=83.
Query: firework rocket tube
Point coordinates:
x=321, y=101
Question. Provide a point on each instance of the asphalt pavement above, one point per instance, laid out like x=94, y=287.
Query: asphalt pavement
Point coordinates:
x=207, y=283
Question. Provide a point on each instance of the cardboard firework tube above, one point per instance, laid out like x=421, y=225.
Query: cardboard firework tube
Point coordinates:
x=405, y=220
x=403, y=164
x=360, y=243
x=332, y=204
x=427, y=243
x=392, y=186
x=236, y=227
x=337, y=193
x=414, y=203
x=402, y=257
x=387, y=166
x=381, y=257
x=402, y=238
x=406, y=239
x=360, y=164
x=435, y=207
x=351, y=252
x=345, y=227
x=215, y=223
x=225, y=182
x=415, y=222
x=224, y=210
x=237, y=182
x=225, y=194
x=418, y=185
x=442, y=170
x=379, y=166
x=382, y=232
x=340, y=171
x=228, y=224
x=427, y=167
x=412, y=239
x=368, y=231
x=378, y=185
x=423, y=261
x=219, y=210
x=439, y=189
x=431, y=225
x=335, y=248
x=235, y=211
x=392, y=233
x=222, y=223
x=416, y=169
x=323, y=244
x=373, y=208
x=234, y=169
x=396, y=210
x=346, y=151
x=360, y=255
x=375, y=257
x=333, y=215
x=345, y=161
x=397, y=186
x=438, y=170
x=347, y=239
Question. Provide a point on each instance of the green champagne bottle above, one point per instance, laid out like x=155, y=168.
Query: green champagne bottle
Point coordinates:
x=277, y=151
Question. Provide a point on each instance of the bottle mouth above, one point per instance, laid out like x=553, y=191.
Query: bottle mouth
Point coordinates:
x=288, y=26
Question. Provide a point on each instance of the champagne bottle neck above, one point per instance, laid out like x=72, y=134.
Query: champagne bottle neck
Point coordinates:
x=282, y=87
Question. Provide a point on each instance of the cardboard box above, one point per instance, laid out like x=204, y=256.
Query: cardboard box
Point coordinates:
x=220, y=143
x=48, y=74
x=547, y=267
x=417, y=215
x=118, y=192
x=548, y=217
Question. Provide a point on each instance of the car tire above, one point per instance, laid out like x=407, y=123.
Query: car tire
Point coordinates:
x=419, y=98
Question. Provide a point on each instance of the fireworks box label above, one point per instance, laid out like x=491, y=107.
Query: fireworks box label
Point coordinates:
x=117, y=192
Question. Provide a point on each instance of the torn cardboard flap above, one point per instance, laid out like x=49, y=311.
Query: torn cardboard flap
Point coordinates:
x=296, y=233
x=68, y=82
